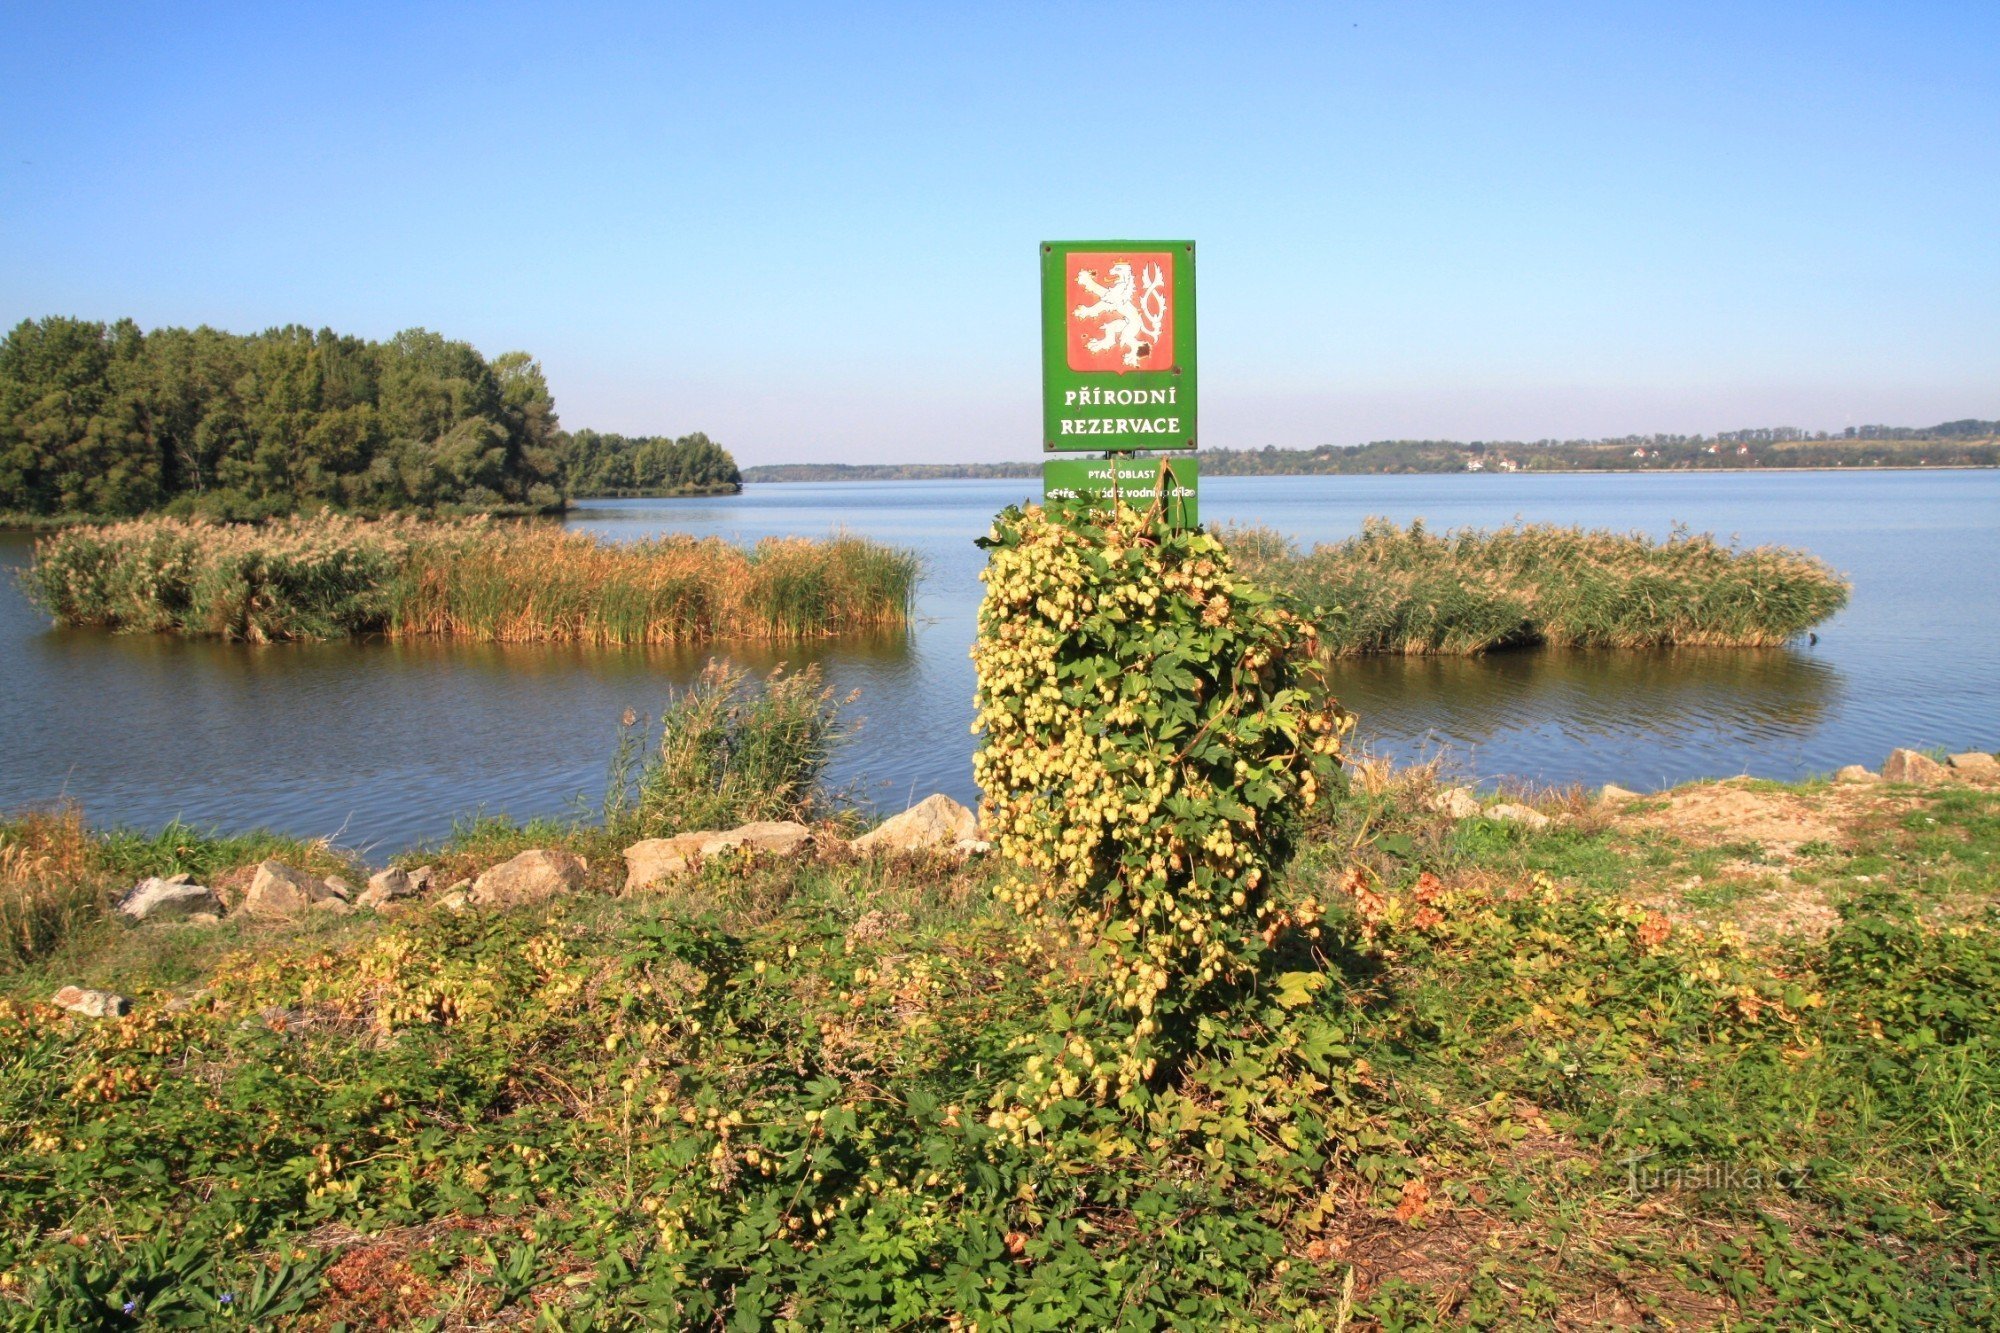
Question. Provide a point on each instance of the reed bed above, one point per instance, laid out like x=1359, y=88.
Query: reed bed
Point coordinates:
x=1396, y=590
x=330, y=576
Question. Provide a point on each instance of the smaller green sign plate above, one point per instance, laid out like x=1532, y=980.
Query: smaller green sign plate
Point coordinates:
x=1136, y=481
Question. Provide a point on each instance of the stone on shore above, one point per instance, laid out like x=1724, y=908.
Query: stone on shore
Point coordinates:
x=932, y=823
x=174, y=898
x=530, y=877
x=385, y=886
x=656, y=859
x=1857, y=773
x=279, y=890
x=1976, y=761
x=1456, y=803
x=1909, y=766
x=778, y=837
x=1611, y=791
x=92, y=1003
x=1519, y=814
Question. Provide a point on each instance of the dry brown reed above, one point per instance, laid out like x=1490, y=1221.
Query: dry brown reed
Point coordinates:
x=326, y=576
x=47, y=886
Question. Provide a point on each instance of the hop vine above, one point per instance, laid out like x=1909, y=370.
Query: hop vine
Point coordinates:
x=1154, y=727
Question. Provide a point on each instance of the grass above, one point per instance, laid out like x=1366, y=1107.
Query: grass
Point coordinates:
x=728, y=754
x=1526, y=1083
x=329, y=576
x=60, y=881
x=1414, y=591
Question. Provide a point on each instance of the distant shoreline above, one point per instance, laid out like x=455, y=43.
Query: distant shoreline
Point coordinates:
x=850, y=478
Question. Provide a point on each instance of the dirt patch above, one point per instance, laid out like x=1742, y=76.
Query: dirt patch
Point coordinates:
x=1721, y=812
x=1764, y=907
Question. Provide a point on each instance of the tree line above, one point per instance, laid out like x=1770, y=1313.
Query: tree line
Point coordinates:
x=606, y=464
x=105, y=419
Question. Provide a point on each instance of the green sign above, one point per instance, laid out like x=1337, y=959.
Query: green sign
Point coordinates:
x=1117, y=346
x=1139, y=482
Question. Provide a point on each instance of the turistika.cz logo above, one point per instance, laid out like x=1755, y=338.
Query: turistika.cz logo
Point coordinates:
x=1124, y=319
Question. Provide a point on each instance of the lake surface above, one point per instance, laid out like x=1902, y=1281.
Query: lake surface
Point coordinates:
x=383, y=744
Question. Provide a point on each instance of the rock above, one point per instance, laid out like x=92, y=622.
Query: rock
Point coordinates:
x=1611, y=791
x=421, y=879
x=279, y=890
x=333, y=905
x=92, y=1003
x=340, y=887
x=203, y=918
x=934, y=822
x=456, y=898
x=972, y=847
x=181, y=878
x=1519, y=814
x=530, y=877
x=777, y=837
x=1456, y=803
x=180, y=1004
x=1909, y=766
x=167, y=899
x=656, y=859
x=1976, y=761
x=1856, y=773
x=386, y=886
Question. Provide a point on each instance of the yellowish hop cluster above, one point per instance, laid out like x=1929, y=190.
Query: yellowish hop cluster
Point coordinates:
x=1153, y=725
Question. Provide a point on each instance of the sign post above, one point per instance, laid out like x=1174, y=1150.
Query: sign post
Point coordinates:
x=1118, y=371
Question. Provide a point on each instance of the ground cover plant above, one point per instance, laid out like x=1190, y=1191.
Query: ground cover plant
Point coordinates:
x=327, y=576
x=1392, y=589
x=1496, y=1091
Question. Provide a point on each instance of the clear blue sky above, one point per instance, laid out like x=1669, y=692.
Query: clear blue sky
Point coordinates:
x=810, y=231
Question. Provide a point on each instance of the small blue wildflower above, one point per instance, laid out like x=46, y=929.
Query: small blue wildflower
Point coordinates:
x=229, y=1298
x=131, y=1307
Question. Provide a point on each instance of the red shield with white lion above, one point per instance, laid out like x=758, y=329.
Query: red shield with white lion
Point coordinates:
x=1121, y=310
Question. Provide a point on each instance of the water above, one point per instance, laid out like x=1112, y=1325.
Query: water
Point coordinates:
x=384, y=743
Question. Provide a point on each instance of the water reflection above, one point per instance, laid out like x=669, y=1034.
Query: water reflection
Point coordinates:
x=385, y=740
x=1563, y=713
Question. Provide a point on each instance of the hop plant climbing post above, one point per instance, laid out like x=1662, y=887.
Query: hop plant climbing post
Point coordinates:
x=1154, y=729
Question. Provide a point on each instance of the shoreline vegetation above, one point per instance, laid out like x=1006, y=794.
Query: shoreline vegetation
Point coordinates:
x=331, y=576
x=1952, y=444
x=1711, y=1056
x=1388, y=590
x=1413, y=591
